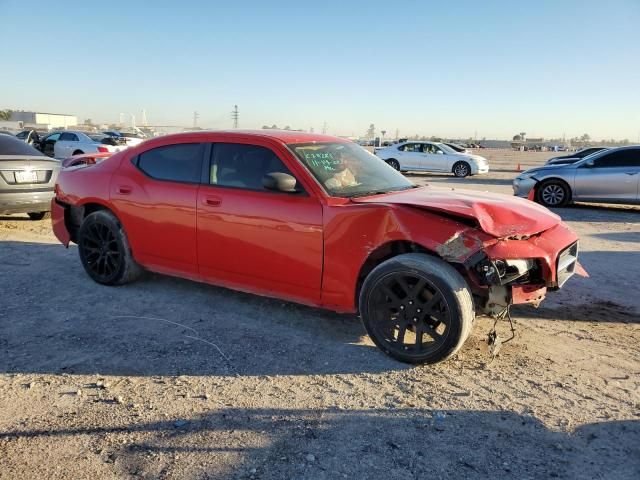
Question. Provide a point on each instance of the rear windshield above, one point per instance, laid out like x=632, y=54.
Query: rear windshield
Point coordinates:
x=10, y=145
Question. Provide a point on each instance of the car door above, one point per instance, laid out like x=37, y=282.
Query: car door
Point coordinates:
x=66, y=145
x=254, y=239
x=48, y=144
x=612, y=176
x=155, y=195
x=433, y=158
x=409, y=156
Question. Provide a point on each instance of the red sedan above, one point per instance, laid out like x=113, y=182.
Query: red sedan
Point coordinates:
x=316, y=220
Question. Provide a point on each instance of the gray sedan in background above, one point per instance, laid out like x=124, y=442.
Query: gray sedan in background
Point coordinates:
x=609, y=176
x=27, y=178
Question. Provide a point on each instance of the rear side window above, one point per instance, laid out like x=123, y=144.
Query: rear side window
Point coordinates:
x=70, y=137
x=622, y=158
x=410, y=147
x=177, y=163
x=243, y=166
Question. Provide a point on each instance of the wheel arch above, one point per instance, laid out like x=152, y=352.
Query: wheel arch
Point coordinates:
x=383, y=253
x=77, y=213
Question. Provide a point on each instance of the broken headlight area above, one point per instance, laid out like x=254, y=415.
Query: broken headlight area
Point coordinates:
x=504, y=272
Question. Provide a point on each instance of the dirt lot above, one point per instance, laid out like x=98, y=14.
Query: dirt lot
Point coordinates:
x=167, y=378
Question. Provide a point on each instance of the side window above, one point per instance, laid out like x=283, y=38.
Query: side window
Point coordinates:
x=243, y=166
x=429, y=148
x=54, y=137
x=178, y=163
x=624, y=158
x=69, y=137
x=412, y=147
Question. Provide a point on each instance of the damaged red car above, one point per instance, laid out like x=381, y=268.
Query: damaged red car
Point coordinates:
x=316, y=220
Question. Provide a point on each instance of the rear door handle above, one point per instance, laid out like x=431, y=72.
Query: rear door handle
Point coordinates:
x=212, y=201
x=124, y=190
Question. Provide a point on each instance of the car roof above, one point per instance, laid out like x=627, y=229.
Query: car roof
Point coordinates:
x=285, y=136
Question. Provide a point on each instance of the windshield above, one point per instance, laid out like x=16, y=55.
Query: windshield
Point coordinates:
x=348, y=170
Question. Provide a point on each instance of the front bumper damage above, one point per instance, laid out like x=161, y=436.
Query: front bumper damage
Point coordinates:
x=512, y=271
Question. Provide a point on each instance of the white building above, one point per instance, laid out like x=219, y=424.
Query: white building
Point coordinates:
x=44, y=120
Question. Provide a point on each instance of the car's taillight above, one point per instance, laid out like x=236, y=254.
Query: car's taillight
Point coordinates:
x=103, y=149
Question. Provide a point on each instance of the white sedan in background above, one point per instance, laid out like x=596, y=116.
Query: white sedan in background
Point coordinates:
x=76, y=143
x=432, y=157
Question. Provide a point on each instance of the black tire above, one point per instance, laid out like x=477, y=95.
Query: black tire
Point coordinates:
x=394, y=164
x=78, y=152
x=422, y=295
x=39, y=215
x=104, y=250
x=461, y=169
x=553, y=194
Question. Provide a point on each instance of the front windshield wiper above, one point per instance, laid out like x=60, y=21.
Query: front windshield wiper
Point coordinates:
x=381, y=192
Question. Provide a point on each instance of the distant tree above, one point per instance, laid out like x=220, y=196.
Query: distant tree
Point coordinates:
x=517, y=138
x=585, y=137
x=371, y=131
x=5, y=114
x=287, y=127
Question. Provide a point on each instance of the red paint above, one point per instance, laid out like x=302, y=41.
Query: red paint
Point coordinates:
x=308, y=248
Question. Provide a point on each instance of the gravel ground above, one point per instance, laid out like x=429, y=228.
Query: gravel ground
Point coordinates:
x=167, y=378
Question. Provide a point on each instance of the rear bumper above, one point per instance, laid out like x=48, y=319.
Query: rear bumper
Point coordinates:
x=25, y=202
x=58, y=223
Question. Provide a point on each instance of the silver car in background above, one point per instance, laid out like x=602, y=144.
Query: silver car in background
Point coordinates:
x=608, y=176
x=27, y=178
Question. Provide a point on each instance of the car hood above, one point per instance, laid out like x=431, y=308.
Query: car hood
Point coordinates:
x=498, y=215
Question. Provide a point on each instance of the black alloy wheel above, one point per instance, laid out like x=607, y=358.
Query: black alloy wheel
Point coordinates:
x=416, y=308
x=104, y=250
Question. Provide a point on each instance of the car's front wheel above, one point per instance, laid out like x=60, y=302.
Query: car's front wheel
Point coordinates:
x=104, y=250
x=553, y=193
x=461, y=169
x=416, y=308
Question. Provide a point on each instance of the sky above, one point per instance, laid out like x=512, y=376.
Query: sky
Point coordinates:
x=453, y=69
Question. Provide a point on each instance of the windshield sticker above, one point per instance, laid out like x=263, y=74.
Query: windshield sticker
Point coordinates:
x=324, y=160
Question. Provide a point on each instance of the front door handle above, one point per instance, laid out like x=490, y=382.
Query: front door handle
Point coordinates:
x=211, y=201
x=124, y=190
x=631, y=173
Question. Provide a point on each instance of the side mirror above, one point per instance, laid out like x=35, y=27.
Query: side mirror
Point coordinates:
x=279, y=182
x=440, y=152
x=589, y=163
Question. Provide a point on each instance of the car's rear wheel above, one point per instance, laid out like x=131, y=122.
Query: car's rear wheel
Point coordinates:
x=104, y=250
x=39, y=215
x=394, y=163
x=461, y=169
x=553, y=193
x=416, y=308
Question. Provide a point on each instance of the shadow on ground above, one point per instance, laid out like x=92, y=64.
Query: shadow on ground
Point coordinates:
x=380, y=443
x=54, y=319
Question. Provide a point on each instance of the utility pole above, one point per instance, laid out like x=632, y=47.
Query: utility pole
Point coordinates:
x=234, y=116
x=324, y=128
x=144, y=117
x=397, y=134
x=196, y=115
